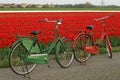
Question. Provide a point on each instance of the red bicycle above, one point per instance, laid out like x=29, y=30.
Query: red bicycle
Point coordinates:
x=84, y=45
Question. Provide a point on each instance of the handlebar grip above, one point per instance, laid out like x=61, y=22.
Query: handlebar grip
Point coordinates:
x=41, y=21
x=59, y=20
x=95, y=20
x=44, y=20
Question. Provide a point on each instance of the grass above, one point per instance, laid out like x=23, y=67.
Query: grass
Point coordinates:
x=4, y=58
x=25, y=9
x=115, y=49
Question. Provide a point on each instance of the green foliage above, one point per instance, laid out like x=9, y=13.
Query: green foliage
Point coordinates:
x=4, y=63
x=4, y=57
x=3, y=53
x=115, y=42
x=114, y=49
x=103, y=51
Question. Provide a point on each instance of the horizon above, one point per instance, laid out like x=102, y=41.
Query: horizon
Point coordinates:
x=94, y=2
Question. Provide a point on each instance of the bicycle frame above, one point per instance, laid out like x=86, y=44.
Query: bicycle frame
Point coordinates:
x=94, y=49
x=35, y=41
x=49, y=48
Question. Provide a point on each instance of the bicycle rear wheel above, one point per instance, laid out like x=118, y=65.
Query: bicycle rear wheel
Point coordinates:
x=81, y=41
x=64, y=54
x=17, y=60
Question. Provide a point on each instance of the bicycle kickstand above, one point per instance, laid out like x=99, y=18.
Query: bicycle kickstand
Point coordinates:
x=27, y=75
x=84, y=63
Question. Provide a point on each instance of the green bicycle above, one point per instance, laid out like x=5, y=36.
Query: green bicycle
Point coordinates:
x=27, y=51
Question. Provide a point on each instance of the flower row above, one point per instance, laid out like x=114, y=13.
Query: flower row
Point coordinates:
x=22, y=23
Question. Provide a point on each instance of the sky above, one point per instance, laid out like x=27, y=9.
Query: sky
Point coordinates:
x=95, y=2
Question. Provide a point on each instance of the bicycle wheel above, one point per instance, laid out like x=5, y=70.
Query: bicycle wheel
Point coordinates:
x=81, y=41
x=17, y=60
x=109, y=51
x=64, y=54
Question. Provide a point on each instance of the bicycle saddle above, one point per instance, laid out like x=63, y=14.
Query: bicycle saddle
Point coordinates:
x=35, y=32
x=90, y=27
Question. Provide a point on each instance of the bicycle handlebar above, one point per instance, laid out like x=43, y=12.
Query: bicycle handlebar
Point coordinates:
x=55, y=21
x=102, y=18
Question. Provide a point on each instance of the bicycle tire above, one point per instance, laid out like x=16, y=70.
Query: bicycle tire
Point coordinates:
x=64, y=54
x=80, y=42
x=109, y=51
x=17, y=61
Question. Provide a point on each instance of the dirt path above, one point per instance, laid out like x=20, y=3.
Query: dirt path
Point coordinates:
x=99, y=67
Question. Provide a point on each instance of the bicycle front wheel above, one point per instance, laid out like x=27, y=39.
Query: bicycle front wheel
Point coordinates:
x=64, y=54
x=80, y=42
x=17, y=60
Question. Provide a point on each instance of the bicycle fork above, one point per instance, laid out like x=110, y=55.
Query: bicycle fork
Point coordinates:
x=108, y=42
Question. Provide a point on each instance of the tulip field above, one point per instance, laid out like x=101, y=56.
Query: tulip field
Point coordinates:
x=22, y=23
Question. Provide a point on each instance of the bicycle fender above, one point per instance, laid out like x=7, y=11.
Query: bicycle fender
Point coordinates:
x=57, y=46
x=60, y=41
x=13, y=45
x=73, y=45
